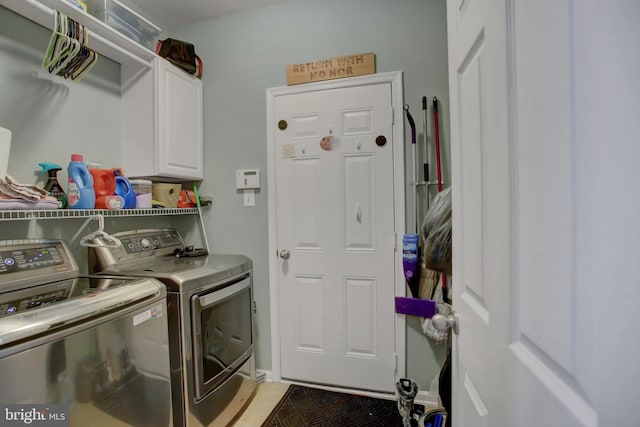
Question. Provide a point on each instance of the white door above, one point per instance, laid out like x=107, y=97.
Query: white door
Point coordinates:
x=534, y=253
x=335, y=234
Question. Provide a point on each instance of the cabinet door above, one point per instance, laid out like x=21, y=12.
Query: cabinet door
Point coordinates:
x=179, y=123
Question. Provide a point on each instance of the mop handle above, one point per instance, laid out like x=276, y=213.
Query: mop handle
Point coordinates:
x=436, y=132
x=412, y=124
x=425, y=165
x=202, y=229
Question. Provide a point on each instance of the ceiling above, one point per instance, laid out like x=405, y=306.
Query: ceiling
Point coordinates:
x=172, y=13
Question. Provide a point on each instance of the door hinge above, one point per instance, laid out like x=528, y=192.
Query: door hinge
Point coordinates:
x=393, y=116
x=255, y=307
x=395, y=357
x=395, y=242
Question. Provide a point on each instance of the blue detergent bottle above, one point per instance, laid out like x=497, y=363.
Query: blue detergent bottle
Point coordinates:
x=80, y=193
x=125, y=190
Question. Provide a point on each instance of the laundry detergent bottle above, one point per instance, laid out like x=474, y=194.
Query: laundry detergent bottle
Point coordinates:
x=53, y=186
x=125, y=190
x=80, y=193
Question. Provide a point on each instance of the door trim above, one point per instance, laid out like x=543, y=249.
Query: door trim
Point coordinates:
x=395, y=79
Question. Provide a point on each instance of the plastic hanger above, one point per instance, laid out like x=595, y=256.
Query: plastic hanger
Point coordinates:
x=84, y=68
x=70, y=49
x=106, y=240
x=68, y=54
x=56, y=42
x=61, y=45
x=85, y=59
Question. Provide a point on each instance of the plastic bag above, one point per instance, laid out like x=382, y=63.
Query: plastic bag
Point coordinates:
x=436, y=233
x=435, y=335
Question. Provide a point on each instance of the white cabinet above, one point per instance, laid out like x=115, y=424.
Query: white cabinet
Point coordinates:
x=162, y=123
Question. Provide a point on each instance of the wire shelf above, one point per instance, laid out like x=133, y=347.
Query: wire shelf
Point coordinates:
x=20, y=215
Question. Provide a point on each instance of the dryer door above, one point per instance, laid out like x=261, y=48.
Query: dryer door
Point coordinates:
x=223, y=334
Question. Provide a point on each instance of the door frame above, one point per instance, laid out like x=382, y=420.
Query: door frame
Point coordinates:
x=395, y=79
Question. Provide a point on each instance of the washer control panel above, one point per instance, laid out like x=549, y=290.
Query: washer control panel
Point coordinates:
x=28, y=263
x=151, y=242
x=135, y=246
x=29, y=258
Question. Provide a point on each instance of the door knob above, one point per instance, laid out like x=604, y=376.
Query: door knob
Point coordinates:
x=285, y=254
x=442, y=323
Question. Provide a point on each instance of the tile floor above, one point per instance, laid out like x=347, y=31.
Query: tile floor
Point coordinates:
x=266, y=398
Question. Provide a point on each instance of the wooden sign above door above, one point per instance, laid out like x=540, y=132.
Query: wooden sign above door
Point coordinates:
x=329, y=69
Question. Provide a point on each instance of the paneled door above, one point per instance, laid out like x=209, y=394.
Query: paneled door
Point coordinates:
x=538, y=253
x=335, y=256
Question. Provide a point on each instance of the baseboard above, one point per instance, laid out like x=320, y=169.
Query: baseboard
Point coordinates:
x=264, y=376
x=427, y=399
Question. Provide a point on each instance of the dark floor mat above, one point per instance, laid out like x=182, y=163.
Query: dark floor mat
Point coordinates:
x=306, y=406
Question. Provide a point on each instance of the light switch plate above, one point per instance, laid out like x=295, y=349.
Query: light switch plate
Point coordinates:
x=249, y=198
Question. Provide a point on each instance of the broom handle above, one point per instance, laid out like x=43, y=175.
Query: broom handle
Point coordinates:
x=436, y=132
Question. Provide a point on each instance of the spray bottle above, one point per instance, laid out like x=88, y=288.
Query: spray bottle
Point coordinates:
x=410, y=261
x=53, y=186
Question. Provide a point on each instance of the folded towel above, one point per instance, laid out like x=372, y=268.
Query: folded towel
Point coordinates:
x=13, y=189
x=19, y=204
